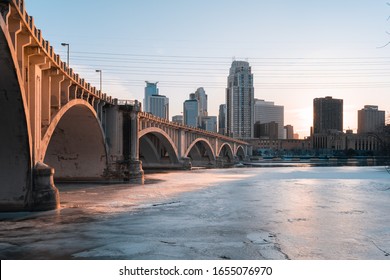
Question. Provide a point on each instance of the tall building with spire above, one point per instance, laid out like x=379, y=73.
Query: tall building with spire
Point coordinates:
x=240, y=101
x=201, y=96
x=154, y=103
x=150, y=90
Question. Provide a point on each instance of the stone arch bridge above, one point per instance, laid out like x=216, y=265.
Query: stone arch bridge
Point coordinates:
x=56, y=126
x=139, y=140
x=168, y=143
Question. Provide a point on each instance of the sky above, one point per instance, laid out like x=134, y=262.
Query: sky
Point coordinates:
x=298, y=50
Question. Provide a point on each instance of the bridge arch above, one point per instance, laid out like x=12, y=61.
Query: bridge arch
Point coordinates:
x=200, y=151
x=74, y=143
x=240, y=152
x=156, y=148
x=226, y=152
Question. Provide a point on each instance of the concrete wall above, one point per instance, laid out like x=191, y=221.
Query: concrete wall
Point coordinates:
x=15, y=155
x=77, y=149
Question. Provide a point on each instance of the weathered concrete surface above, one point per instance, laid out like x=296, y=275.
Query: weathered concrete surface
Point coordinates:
x=45, y=195
x=15, y=154
x=77, y=148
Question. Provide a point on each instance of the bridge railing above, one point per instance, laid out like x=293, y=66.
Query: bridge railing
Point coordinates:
x=45, y=46
x=124, y=102
x=189, y=128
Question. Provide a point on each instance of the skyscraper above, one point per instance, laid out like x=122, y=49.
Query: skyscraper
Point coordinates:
x=150, y=90
x=370, y=119
x=267, y=112
x=327, y=115
x=178, y=119
x=154, y=103
x=201, y=96
x=289, y=129
x=240, y=101
x=222, y=119
x=209, y=123
x=159, y=106
x=190, y=111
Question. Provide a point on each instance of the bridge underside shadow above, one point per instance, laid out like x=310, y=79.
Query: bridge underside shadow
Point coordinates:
x=76, y=149
x=156, y=152
x=225, y=156
x=201, y=155
x=15, y=159
x=240, y=153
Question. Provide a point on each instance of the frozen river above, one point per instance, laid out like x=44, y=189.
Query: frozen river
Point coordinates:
x=244, y=213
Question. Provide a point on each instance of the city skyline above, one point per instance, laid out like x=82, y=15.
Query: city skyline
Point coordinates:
x=91, y=175
x=297, y=51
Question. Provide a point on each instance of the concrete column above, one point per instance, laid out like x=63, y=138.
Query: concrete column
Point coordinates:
x=181, y=149
x=116, y=169
x=55, y=92
x=36, y=60
x=45, y=93
x=70, y=94
x=248, y=152
x=96, y=107
x=99, y=111
x=134, y=148
x=14, y=27
x=45, y=195
x=181, y=143
x=85, y=95
x=5, y=11
x=102, y=118
x=114, y=134
x=220, y=162
x=65, y=85
x=22, y=41
x=80, y=92
x=136, y=174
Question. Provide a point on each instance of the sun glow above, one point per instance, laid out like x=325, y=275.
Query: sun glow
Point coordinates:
x=302, y=120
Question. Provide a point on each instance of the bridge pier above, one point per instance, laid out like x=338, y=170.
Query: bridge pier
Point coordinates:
x=136, y=174
x=186, y=163
x=123, y=143
x=45, y=195
x=223, y=162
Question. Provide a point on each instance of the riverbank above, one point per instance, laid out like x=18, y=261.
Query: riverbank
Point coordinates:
x=320, y=161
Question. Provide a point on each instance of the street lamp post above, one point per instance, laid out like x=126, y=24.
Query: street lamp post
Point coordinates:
x=100, y=71
x=67, y=57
